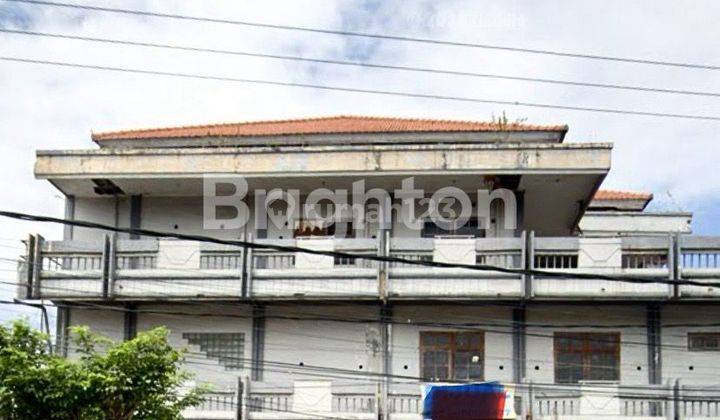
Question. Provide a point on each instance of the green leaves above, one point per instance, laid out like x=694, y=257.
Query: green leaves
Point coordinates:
x=135, y=379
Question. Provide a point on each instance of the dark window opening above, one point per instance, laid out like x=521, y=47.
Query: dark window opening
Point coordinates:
x=470, y=228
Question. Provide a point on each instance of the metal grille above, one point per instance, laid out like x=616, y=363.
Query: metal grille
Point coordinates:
x=556, y=261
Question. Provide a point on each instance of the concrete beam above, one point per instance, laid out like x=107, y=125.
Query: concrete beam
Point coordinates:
x=263, y=161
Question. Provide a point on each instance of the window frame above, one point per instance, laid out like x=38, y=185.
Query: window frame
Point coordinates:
x=586, y=352
x=703, y=334
x=452, y=349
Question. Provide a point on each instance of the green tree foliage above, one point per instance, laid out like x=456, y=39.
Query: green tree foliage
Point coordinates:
x=137, y=379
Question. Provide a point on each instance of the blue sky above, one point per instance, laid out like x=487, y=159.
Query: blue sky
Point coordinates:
x=45, y=107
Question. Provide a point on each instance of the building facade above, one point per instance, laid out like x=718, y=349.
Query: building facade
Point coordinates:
x=306, y=336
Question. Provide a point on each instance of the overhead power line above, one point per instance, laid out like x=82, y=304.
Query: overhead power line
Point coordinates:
x=465, y=99
x=388, y=37
x=380, y=258
x=361, y=64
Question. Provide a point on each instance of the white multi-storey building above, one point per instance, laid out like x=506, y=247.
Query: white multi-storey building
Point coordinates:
x=312, y=335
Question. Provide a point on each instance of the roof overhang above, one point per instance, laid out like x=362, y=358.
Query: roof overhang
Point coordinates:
x=557, y=180
x=318, y=139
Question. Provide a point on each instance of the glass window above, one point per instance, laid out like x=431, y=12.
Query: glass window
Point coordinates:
x=452, y=356
x=226, y=348
x=701, y=341
x=587, y=356
x=430, y=230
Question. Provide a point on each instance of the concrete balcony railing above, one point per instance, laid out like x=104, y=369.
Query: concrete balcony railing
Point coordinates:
x=321, y=399
x=174, y=269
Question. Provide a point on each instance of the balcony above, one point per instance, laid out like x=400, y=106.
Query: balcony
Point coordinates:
x=172, y=269
x=550, y=401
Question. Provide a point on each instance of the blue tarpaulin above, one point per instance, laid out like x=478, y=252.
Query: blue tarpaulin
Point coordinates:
x=480, y=401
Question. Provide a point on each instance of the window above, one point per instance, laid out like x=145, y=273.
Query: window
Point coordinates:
x=587, y=357
x=227, y=348
x=430, y=229
x=704, y=341
x=304, y=228
x=452, y=356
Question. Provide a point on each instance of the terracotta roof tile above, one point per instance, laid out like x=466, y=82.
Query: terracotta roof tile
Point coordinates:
x=612, y=195
x=324, y=125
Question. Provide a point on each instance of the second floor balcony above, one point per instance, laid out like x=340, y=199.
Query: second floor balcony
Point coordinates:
x=159, y=269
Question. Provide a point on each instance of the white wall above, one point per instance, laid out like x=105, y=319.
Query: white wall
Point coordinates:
x=333, y=344
x=99, y=210
x=406, y=338
x=165, y=213
x=348, y=345
x=676, y=359
x=237, y=319
x=106, y=322
x=613, y=223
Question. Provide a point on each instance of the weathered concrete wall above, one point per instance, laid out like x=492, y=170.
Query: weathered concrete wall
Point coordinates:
x=691, y=367
x=556, y=318
x=350, y=346
x=613, y=223
x=108, y=323
x=491, y=158
x=498, y=339
x=103, y=210
x=235, y=319
x=341, y=338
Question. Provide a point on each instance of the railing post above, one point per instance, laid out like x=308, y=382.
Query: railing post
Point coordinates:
x=530, y=403
x=109, y=286
x=676, y=262
x=244, y=268
x=528, y=263
x=676, y=400
x=29, y=266
x=248, y=266
x=36, y=290
x=106, y=265
x=383, y=251
x=239, y=399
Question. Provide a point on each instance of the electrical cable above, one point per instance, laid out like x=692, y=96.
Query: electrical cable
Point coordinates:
x=361, y=64
x=465, y=99
x=428, y=41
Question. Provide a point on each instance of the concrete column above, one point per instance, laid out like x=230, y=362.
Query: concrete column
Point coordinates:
x=258, y=342
x=519, y=344
x=528, y=263
x=68, y=230
x=654, y=340
x=61, y=331
x=130, y=322
x=135, y=214
x=520, y=217
x=386, y=317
